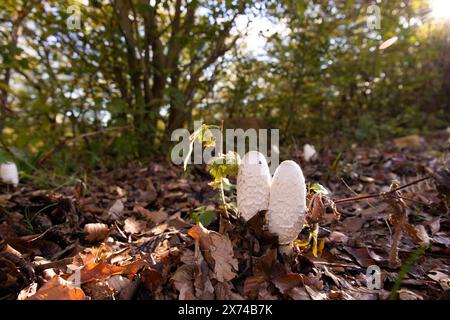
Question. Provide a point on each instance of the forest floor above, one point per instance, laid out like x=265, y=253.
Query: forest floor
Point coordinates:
x=128, y=234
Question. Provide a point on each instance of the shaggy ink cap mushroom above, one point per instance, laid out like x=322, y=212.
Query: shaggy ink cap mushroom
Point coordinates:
x=287, y=204
x=253, y=185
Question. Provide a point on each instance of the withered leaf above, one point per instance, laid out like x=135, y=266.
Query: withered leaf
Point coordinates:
x=183, y=282
x=95, y=232
x=134, y=226
x=252, y=286
x=217, y=250
x=58, y=289
x=156, y=217
x=361, y=255
x=288, y=281
x=99, y=271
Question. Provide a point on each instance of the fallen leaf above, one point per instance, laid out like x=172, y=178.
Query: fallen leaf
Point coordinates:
x=298, y=293
x=99, y=271
x=315, y=294
x=58, y=289
x=217, y=250
x=288, y=281
x=252, y=286
x=338, y=237
x=134, y=226
x=115, y=211
x=118, y=282
x=95, y=232
x=183, y=281
x=361, y=255
x=156, y=217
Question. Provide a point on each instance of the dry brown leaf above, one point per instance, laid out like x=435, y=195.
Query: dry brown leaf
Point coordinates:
x=144, y=198
x=315, y=294
x=131, y=269
x=288, y=281
x=252, y=286
x=99, y=290
x=95, y=232
x=99, y=271
x=338, y=237
x=27, y=292
x=183, y=282
x=118, y=282
x=204, y=289
x=115, y=210
x=134, y=226
x=417, y=233
x=58, y=289
x=217, y=250
x=224, y=291
x=361, y=255
x=151, y=279
x=298, y=293
x=156, y=217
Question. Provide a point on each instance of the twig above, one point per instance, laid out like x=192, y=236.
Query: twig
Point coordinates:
x=415, y=201
x=381, y=194
x=55, y=264
x=398, y=220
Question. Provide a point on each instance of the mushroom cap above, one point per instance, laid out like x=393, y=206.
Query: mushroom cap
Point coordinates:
x=9, y=173
x=287, y=204
x=309, y=152
x=253, y=184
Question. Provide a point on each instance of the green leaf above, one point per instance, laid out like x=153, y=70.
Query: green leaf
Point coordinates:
x=204, y=135
x=318, y=188
x=204, y=215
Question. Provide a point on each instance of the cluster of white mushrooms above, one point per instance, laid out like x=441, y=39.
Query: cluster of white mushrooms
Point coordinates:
x=283, y=196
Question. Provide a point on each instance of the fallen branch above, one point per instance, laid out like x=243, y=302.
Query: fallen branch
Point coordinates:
x=381, y=194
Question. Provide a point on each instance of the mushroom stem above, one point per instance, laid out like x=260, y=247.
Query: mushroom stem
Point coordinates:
x=286, y=249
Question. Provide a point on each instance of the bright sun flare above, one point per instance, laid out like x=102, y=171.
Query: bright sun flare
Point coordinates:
x=440, y=9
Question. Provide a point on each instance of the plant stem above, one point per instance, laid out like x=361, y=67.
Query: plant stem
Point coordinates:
x=224, y=202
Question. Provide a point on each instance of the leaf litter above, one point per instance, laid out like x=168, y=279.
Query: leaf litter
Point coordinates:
x=130, y=234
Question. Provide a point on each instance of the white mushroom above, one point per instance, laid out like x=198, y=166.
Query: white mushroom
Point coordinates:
x=309, y=152
x=287, y=205
x=9, y=173
x=253, y=185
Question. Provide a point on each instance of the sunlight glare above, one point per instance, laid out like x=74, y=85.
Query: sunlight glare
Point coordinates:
x=440, y=9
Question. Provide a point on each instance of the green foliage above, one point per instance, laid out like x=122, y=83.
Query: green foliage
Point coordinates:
x=205, y=215
x=30, y=217
x=4, y=156
x=321, y=78
x=317, y=188
x=204, y=136
x=224, y=166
